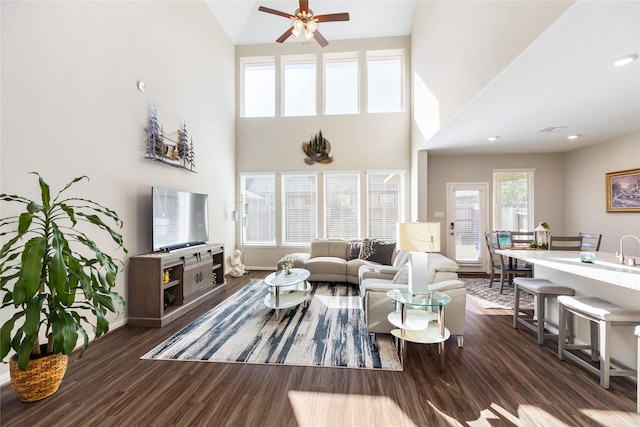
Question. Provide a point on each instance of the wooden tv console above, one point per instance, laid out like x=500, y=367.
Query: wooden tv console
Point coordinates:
x=188, y=276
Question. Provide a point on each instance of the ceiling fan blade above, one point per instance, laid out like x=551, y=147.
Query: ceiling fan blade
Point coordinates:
x=332, y=17
x=320, y=38
x=285, y=35
x=275, y=12
x=304, y=5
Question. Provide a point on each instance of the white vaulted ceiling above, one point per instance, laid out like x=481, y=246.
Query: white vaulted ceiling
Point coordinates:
x=378, y=18
x=564, y=78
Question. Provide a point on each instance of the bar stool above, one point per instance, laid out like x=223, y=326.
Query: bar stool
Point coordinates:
x=541, y=289
x=602, y=314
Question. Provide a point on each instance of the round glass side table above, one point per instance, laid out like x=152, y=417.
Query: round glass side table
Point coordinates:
x=419, y=319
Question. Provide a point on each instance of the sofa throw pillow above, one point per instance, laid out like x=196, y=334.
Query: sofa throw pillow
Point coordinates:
x=377, y=251
x=402, y=276
x=354, y=249
x=365, y=249
x=401, y=259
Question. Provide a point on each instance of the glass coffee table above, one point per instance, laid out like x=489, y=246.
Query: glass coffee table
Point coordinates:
x=419, y=319
x=287, y=290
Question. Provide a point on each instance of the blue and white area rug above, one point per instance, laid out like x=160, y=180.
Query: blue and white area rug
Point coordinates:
x=329, y=332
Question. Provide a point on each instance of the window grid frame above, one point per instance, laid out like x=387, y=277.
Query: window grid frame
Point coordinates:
x=298, y=60
x=501, y=176
x=256, y=61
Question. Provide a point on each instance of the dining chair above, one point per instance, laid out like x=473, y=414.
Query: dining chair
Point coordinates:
x=522, y=239
x=590, y=241
x=501, y=264
x=565, y=243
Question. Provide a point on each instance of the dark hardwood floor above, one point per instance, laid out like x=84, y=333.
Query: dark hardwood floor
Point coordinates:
x=500, y=378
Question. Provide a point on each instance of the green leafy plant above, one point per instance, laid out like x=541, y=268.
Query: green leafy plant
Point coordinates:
x=54, y=275
x=536, y=245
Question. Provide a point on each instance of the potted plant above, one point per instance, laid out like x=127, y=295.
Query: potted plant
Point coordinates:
x=57, y=280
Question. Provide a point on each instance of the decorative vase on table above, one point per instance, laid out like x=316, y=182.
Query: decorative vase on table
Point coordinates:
x=287, y=266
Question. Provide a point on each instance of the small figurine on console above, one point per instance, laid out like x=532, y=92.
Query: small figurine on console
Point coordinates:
x=236, y=268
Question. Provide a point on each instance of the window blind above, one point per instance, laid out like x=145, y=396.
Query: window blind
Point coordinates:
x=384, y=201
x=259, y=209
x=341, y=203
x=299, y=208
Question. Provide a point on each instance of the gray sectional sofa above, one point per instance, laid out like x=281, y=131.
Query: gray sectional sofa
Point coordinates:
x=382, y=268
x=333, y=260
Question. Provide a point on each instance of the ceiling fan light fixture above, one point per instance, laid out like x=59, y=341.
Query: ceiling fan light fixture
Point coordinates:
x=311, y=26
x=303, y=19
x=298, y=27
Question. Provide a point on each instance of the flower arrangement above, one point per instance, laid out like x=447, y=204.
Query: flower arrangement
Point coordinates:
x=287, y=265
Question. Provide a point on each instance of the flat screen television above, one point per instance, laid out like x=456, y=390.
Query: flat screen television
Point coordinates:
x=180, y=219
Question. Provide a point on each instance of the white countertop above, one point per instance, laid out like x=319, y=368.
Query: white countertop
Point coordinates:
x=605, y=268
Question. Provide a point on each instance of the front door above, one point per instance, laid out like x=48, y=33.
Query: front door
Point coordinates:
x=467, y=220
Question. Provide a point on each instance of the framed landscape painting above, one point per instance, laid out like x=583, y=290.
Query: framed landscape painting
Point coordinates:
x=623, y=191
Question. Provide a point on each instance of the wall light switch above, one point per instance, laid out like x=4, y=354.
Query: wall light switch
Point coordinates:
x=438, y=214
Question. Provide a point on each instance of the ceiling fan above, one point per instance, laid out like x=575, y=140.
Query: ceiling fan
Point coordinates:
x=305, y=22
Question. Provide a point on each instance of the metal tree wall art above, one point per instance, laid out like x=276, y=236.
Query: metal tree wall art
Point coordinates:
x=317, y=150
x=155, y=135
x=185, y=148
x=164, y=150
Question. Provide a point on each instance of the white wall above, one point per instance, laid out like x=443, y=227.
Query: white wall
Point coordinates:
x=70, y=105
x=549, y=176
x=457, y=48
x=585, y=206
x=359, y=142
x=570, y=191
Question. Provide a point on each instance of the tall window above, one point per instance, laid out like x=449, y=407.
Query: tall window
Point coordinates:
x=299, y=77
x=257, y=210
x=385, y=81
x=384, y=194
x=258, y=87
x=299, y=213
x=513, y=199
x=341, y=83
x=341, y=205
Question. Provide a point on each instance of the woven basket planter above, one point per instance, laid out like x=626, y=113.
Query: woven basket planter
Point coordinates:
x=42, y=377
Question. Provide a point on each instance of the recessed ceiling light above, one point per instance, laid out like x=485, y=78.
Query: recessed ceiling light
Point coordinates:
x=573, y=136
x=493, y=138
x=628, y=59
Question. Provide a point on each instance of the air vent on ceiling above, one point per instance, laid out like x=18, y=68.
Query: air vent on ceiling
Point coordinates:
x=551, y=129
